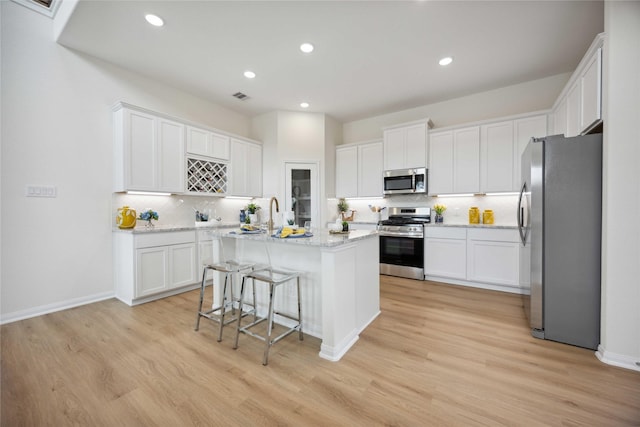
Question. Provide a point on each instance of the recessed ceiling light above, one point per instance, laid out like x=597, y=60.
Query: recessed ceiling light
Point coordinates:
x=249, y=74
x=154, y=20
x=445, y=61
x=306, y=47
x=304, y=104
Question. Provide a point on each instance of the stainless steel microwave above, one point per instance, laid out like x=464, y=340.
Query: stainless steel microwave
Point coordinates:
x=405, y=181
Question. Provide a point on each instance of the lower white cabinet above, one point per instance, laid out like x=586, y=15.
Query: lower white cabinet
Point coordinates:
x=479, y=257
x=153, y=265
x=493, y=256
x=446, y=252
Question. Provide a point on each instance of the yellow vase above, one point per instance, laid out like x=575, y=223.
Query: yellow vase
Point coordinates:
x=474, y=215
x=487, y=216
x=126, y=217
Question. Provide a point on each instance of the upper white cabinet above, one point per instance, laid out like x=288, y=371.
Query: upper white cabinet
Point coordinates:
x=497, y=157
x=245, y=169
x=359, y=169
x=523, y=130
x=205, y=143
x=405, y=146
x=579, y=107
x=148, y=152
x=454, y=161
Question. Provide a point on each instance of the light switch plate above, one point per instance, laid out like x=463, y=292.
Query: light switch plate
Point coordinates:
x=41, y=191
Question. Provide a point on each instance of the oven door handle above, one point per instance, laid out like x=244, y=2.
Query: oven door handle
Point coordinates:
x=401, y=234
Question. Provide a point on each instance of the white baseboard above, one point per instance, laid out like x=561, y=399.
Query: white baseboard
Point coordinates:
x=619, y=360
x=51, y=308
x=490, y=286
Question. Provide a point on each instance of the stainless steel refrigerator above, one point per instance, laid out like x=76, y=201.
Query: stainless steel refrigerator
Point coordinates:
x=560, y=223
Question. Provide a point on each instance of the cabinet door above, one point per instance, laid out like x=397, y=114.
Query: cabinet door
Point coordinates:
x=394, y=149
x=219, y=146
x=445, y=258
x=370, y=170
x=497, y=157
x=524, y=130
x=466, y=157
x=141, y=151
x=415, y=147
x=170, y=156
x=574, y=101
x=151, y=270
x=254, y=170
x=238, y=168
x=591, y=91
x=182, y=265
x=197, y=141
x=493, y=262
x=560, y=119
x=440, y=163
x=347, y=172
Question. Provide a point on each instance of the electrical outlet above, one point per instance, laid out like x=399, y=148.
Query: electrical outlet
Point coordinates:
x=41, y=191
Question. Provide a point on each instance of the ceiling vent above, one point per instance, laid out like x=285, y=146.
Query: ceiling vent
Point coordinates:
x=241, y=96
x=45, y=7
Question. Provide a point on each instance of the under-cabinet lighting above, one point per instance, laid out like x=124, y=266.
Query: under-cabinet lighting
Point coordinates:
x=364, y=198
x=455, y=195
x=515, y=193
x=147, y=193
x=238, y=197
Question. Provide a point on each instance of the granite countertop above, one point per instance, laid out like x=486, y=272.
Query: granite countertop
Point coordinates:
x=141, y=229
x=321, y=237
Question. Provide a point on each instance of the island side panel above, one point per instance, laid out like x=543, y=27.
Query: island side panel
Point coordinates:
x=367, y=282
x=339, y=279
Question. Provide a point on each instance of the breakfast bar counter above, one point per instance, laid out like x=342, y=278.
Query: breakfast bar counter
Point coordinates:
x=340, y=282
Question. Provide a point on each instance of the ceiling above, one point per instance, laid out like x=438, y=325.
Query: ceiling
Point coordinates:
x=370, y=57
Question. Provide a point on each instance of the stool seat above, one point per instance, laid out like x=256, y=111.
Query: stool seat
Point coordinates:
x=274, y=278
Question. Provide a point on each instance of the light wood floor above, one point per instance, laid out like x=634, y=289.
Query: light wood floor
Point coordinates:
x=437, y=355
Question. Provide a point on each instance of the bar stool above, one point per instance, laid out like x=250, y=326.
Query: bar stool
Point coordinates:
x=228, y=267
x=274, y=278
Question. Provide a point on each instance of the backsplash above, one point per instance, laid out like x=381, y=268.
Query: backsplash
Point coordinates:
x=504, y=207
x=179, y=210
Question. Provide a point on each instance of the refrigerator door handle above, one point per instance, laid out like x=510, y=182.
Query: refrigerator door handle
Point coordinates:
x=520, y=214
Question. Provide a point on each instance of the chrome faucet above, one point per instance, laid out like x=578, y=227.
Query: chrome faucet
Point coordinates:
x=270, y=224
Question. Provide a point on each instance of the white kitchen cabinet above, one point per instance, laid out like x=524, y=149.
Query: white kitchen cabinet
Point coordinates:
x=579, y=107
x=359, y=169
x=245, y=169
x=454, y=165
x=154, y=265
x=497, y=157
x=523, y=130
x=148, y=152
x=445, y=250
x=493, y=256
x=347, y=171
x=405, y=146
x=209, y=144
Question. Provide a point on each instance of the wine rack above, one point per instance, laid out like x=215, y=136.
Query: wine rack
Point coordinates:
x=206, y=177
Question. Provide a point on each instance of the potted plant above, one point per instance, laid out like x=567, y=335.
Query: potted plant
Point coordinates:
x=149, y=215
x=345, y=226
x=439, y=209
x=343, y=206
x=253, y=209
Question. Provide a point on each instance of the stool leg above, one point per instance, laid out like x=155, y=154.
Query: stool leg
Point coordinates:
x=300, y=336
x=202, y=285
x=255, y=306
x=235, y=345
x=223, y=306
x=272, y=291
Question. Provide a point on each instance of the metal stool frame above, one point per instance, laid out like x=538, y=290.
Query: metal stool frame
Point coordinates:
x=274, y=278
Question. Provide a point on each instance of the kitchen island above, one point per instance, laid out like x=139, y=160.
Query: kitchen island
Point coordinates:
x=340, y=283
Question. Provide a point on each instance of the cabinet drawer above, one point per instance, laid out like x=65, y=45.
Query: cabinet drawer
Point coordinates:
x=165, y=239
x=446, y=232
x=494, y=235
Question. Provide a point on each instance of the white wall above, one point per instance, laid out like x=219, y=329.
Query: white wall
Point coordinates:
x=620, y=344
x=522, y=98
x=56, y=130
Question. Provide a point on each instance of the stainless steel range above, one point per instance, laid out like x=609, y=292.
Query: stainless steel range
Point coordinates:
x=402, y=242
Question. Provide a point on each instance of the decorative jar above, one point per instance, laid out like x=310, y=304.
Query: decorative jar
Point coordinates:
x=126, y=217
x=474, y=215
